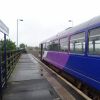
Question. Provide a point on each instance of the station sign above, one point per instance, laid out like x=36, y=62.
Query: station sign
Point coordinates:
x=3, y=28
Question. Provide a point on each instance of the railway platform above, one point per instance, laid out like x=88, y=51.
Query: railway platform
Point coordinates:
x=31, y=81
x=28, y=83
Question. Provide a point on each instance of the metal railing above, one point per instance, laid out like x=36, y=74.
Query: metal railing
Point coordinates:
x=7, y=65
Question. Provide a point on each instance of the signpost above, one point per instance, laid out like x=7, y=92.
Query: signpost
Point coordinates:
x=3, y=28
x=3, y=70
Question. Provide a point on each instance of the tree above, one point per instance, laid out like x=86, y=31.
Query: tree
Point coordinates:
x=22, y=45
x=10, y=45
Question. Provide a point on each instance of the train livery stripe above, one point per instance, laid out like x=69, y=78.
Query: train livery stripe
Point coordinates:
x=58, y=59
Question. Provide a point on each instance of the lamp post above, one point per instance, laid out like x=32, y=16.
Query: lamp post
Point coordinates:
x=71, y=21
x=17, y=29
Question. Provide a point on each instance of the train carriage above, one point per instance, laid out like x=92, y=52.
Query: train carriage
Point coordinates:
x=76, y=51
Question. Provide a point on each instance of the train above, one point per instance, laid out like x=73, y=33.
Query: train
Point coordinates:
x=76, y=51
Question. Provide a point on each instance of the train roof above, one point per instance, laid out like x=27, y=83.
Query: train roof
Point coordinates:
x=72, y=30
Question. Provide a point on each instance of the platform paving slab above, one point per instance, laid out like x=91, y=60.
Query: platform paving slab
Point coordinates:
x=28, y=83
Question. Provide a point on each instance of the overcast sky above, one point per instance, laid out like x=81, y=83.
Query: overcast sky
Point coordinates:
x=44, y=18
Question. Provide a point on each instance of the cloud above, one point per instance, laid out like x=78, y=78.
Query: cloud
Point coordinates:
x=44, y=18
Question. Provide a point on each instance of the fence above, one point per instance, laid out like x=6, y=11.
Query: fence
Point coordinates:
x=7, y=64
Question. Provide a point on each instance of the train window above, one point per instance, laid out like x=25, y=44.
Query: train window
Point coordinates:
x=64, y=44
x=77, y=43
x=54, y=45
x=44, y=46
x=50, y=46
x=94, y=41
x=47, y=44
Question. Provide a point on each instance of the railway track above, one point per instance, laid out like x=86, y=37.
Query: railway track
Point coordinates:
x=78, y=94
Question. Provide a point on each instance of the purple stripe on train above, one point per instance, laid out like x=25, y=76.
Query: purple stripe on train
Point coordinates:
x=59, y=59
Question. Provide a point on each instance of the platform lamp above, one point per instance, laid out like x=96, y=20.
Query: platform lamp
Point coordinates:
x=17, y=29
x=71, y=21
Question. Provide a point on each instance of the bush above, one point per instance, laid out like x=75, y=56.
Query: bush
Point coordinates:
x=9, y=45
x=22, y=46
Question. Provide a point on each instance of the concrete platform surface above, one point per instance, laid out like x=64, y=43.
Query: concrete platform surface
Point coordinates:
x=28, y=83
